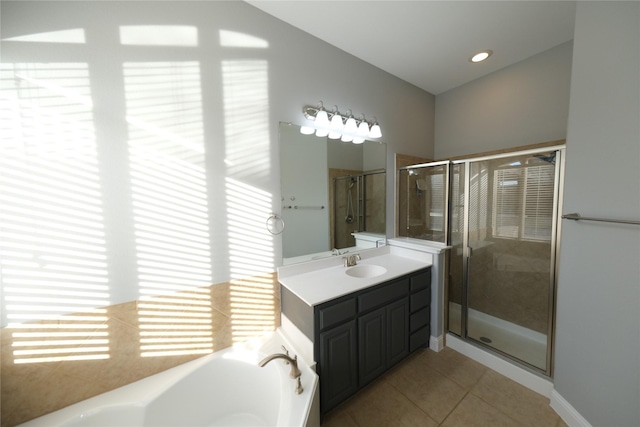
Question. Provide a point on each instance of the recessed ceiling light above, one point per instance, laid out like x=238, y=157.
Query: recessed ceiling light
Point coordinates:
x=481, y=56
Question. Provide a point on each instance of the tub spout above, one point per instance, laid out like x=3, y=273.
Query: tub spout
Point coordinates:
x=295, y=372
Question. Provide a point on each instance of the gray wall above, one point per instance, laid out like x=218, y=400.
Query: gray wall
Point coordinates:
x=523, y=104
x=598, y=320
x=593, y=90
x=239, y=115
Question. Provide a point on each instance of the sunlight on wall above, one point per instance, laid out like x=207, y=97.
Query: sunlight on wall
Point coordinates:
x=53, y=254
x=75, y=36
x=245, y=85
x=246, y=107
x=236, y=39
x=176, y=324
x=251, y=261
x=159, y=35
x=167, y=162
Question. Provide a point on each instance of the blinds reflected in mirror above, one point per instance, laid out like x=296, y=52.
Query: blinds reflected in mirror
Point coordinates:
x=53, y=250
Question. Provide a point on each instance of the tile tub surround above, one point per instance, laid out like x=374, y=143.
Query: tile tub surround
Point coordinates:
x=29, y=390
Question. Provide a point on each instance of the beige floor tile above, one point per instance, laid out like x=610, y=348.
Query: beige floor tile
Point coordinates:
x=455, y=366
x=473, y=412
x=381, y=405
x=515, y=400
x=431, y=391
x=339, y=417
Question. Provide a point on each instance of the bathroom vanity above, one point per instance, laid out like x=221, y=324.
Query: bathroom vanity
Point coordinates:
x=359, y=320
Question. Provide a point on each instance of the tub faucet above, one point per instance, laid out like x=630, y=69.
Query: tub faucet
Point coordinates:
x=295, y=372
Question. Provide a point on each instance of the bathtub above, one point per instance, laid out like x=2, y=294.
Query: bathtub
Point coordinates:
x=226, y=388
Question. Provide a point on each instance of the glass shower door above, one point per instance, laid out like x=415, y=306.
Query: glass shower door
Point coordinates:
x=510, y=255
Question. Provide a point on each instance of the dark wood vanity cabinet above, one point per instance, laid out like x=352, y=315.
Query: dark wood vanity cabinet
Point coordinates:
x=360, y=336
x=383, y=337
x=339, y=353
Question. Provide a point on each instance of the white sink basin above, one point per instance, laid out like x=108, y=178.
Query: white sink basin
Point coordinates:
x=365, y=271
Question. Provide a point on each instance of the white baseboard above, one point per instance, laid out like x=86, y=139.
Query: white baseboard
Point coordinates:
x=567, y=412
x=436, y=343
x=532, y=381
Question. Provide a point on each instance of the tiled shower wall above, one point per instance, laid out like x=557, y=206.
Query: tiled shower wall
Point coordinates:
x=30, y=388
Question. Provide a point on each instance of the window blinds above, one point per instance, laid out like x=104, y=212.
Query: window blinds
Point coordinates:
x=523, y=202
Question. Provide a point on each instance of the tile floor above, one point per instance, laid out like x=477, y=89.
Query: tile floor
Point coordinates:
x=443, y=389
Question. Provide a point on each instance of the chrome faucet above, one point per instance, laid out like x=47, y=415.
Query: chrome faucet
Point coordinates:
x=351, y=260
x=335, y=252
x=295, y=372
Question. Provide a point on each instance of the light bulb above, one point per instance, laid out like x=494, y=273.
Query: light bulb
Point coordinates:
x=334, y=135
x=375, y=131
x=322, y=118
x=351, y=126
x=322, y=132
x=363, y=129
x=306, y=130
x=336, y=122
x=346, y=138
x=358, y=140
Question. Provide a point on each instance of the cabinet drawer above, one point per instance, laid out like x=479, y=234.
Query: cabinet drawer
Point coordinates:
x=420, y=299
x=336, y=313
x=421, y=280
x=383, y=295
x=418, y=320
x=419, y=338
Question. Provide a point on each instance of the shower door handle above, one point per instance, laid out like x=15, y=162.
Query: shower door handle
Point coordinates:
x=470, y=253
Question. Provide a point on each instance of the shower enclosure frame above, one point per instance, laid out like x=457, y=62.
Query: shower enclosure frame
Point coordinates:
x=465, y=185
x=467, y=252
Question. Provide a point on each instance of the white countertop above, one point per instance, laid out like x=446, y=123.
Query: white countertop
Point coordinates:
x=323, y=280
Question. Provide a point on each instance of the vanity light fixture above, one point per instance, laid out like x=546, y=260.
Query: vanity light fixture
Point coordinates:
x=322, y=132
x=307, y=130
x=336, y=120
x=346, y=138
x=322, y=117
x=350, y=127
x=375, y=131
x=481, y=56
x=363, y=128
x=339, y=126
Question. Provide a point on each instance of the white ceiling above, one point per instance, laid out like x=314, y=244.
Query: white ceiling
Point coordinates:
x=428, y=43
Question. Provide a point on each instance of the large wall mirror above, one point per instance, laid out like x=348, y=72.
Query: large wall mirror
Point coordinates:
x=330, y=190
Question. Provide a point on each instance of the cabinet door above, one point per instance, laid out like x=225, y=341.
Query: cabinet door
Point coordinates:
x=338, y=365
x=397, y=331
x=372, y=331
